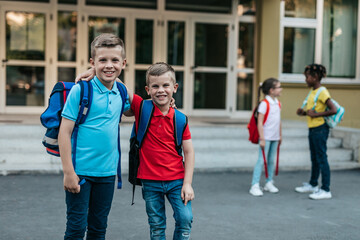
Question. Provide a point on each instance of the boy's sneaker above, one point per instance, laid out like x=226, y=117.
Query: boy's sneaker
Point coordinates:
x=269, y=186
x=255, y=190
x=320, y=194
x=306, y=187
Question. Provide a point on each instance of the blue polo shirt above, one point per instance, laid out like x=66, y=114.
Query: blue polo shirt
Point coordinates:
x=97, y=143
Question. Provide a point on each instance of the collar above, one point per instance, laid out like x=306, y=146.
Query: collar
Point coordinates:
x=158, y=113
x=102, y=89
x=271, y=100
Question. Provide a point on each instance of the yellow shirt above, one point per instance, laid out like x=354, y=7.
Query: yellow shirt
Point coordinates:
x=320, y=107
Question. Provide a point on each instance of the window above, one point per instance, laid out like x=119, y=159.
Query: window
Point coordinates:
x=339, y=38
x=323, y=32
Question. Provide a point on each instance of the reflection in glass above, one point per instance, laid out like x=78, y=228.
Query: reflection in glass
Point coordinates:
x=66, y=74
x=99, y=25
x=178, y=96
x=208, y=6
x=67, y=36
x=24, y=86
x=246, y=7
x=300, y=8
x=340, y=38
x=144, y=41
x=245, y=56
x=211, y=45
x=176, y=43
x=148, y=4
x=25, y=36
x=209, y=90
x=244, y=91
x=140, y=83
x=299, y=49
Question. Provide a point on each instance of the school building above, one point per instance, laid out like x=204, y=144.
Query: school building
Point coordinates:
x=220, y=49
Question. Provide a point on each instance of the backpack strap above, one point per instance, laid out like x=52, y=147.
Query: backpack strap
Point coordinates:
x=145, y=114
x=180, y=123
x=86, y=94
x=317, y=96
x=267, y=110
x=123, y=94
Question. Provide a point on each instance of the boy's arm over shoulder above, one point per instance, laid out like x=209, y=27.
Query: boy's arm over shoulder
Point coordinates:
x=187, y=192
x=71, y=180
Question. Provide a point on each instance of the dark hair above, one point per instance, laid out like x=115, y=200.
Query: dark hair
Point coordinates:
x=107, y=40
x=316, y=70
x=158, y=69
x=266, y=86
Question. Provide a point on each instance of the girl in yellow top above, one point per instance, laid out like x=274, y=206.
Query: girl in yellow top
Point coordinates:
x=318, y=132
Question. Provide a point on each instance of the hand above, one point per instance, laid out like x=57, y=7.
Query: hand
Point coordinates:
x=262, y=143
x=187, y=193
x=300, y=112
x=172, y=103
x=86, y=76
x=71, y=183
x=280, y=140
x=311, y=113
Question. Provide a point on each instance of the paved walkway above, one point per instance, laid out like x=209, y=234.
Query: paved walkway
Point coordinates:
x=32, y=207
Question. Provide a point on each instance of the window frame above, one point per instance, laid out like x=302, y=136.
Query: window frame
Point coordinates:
x=317, y=25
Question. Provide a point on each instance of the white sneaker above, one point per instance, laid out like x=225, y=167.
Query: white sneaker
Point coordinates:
x=255, y=190
x=320, y=194
x=306, y=187
x=269, y=186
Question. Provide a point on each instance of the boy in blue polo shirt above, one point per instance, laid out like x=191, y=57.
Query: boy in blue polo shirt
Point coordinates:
x=97, y=155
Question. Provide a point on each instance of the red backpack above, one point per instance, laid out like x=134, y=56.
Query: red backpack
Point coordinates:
x=252, y=125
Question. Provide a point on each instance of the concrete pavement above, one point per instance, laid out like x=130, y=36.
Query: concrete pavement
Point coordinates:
x=32, y=207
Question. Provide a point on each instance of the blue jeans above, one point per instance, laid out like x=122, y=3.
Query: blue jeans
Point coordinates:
x=270, y=154
x=319, y=162
x=154, y=193
x=89, y=208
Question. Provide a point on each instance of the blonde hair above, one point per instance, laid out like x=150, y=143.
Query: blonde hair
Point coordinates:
x=107, y=40
x=158, y=69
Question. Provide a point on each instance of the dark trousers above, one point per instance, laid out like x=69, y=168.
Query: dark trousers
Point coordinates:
x=319, y=162
x=89, y=208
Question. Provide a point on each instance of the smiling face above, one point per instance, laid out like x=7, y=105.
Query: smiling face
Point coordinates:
x=161, y=89
x=108, y=63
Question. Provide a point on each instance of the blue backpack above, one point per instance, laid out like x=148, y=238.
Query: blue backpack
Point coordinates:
x=136, y=139
x=51, y=117
x=332, y=120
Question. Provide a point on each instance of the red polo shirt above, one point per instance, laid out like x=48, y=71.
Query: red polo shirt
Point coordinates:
x=159, y=159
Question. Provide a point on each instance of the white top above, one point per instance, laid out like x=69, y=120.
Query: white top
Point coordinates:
x=272, y=124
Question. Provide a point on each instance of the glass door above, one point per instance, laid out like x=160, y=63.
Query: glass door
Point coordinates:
x=210, y=67
x=23, y=59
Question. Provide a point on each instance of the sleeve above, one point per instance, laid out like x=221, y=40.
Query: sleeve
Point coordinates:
x=71, y=107
x=187, y=134
x=324, y=96
x=135, y=107
x=262, y=107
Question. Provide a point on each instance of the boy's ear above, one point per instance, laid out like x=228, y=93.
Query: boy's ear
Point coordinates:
x=147, y=90
x=123, y=64
x=176, y=87
x=92, y=62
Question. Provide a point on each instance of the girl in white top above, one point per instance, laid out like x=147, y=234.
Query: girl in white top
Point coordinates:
x=269, y=135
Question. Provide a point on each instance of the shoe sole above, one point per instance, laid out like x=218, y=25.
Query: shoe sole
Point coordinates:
x=267, y=190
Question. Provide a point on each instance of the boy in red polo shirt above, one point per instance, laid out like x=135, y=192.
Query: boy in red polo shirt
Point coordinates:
x=161, y=170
